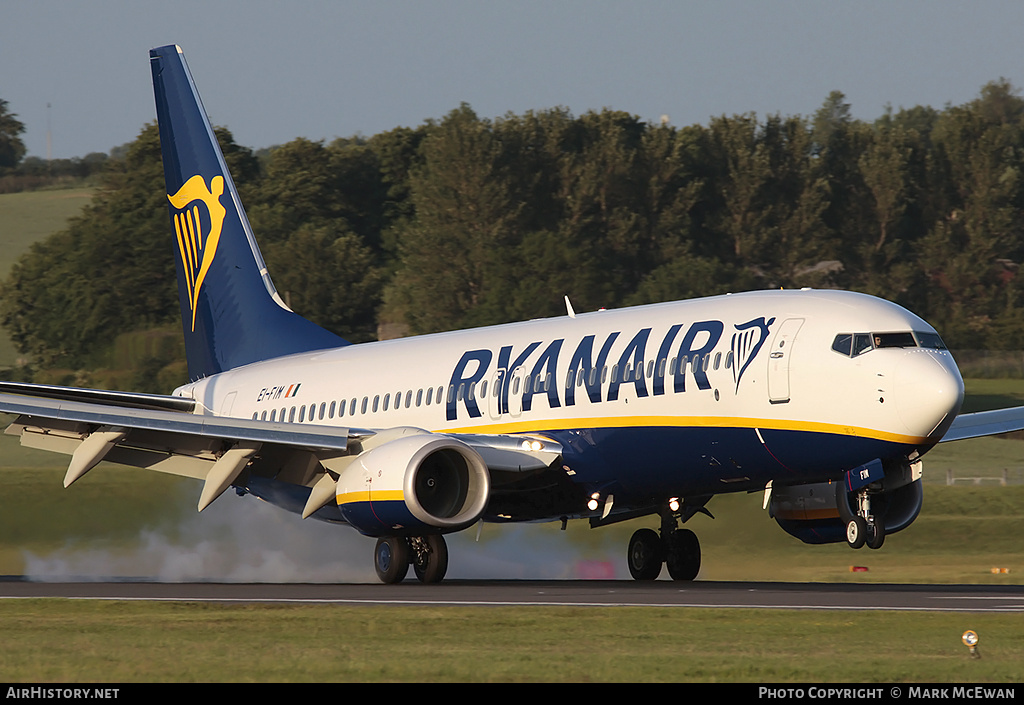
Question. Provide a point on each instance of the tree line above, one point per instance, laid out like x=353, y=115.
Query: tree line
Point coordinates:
x=21, y=173
x=467, y=221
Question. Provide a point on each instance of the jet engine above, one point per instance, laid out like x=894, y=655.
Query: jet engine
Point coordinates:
x=414, y=484
x=819, y=512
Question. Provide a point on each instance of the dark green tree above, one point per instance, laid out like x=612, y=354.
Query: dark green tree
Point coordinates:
x=12, y=149
x=454, y=256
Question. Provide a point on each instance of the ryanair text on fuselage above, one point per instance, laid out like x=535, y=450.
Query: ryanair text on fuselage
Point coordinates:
x=590, y=370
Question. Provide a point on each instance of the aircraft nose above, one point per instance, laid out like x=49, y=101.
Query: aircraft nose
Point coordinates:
x=929, y=392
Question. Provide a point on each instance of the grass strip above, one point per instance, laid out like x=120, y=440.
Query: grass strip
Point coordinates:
x=96, y=641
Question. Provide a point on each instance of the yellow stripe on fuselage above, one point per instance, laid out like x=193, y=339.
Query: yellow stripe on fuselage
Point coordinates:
x=537, y=425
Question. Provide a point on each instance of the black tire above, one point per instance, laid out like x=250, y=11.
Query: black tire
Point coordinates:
x=876, y=534
x=645, y=555
x=683, y=558
x=431, y=565
x=391, y=559
x=856, y=532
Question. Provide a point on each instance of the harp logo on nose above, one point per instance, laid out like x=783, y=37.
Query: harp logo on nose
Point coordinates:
x=198, y=223
x=746, y=343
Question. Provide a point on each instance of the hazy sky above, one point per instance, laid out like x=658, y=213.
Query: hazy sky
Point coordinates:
x=274, y=71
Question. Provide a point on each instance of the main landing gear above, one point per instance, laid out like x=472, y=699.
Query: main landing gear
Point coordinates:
x=428, y=556
x=862, y=527
x=677, y=548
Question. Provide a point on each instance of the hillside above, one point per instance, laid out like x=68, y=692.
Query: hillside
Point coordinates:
x=26, y=218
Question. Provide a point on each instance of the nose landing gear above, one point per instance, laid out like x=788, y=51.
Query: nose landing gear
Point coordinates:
x=863, y=528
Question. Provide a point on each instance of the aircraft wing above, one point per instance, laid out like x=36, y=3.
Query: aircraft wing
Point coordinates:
x=215, y=449
x=143, y=431
x=985, y=423
x=127, y=399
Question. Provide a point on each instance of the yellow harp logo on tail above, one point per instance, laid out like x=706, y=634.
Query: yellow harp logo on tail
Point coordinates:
x=198, y=248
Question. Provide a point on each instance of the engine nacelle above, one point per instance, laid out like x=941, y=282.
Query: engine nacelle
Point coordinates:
x=420, y=483
x=814, y=513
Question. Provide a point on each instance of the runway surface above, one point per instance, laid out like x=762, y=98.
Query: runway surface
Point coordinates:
x=593, y=593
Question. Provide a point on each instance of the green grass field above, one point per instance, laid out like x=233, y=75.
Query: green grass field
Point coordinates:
x=31, y=216
x=121, y=642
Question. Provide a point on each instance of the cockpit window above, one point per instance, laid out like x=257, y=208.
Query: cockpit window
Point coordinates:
x=894, y=340
x=843, y=344
x=861, y=343
x=854, y=344
x=929, y=340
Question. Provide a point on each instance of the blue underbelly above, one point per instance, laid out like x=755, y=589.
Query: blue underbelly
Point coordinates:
x=660, y=462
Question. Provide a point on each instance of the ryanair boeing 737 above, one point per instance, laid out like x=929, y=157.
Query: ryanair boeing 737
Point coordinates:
x=823, y=400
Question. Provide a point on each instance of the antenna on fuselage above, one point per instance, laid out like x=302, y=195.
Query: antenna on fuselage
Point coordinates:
x=568, y=308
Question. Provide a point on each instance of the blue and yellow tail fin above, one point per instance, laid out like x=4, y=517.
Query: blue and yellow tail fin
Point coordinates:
x=231, y=313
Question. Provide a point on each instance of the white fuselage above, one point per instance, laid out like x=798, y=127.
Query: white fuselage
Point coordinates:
x=768, y=397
